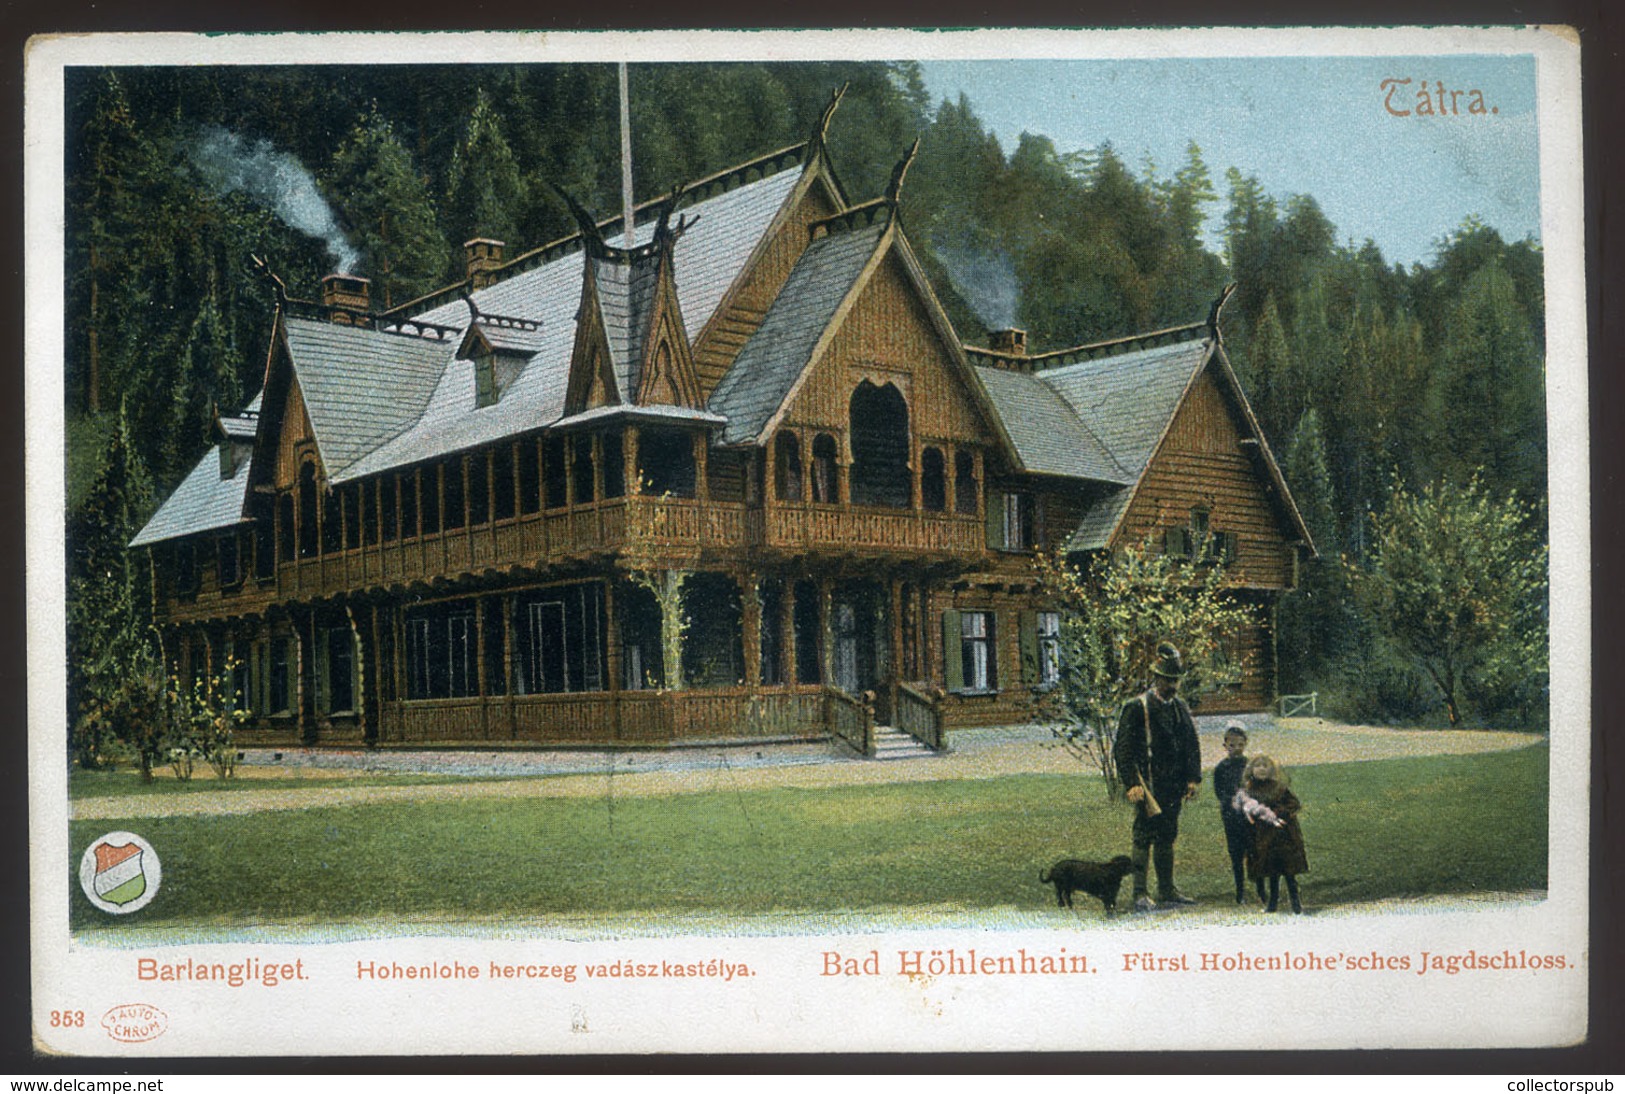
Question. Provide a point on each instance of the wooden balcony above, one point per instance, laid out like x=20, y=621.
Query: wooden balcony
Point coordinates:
x=826, y=529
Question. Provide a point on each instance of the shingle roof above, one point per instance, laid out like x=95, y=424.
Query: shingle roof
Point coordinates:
x=1126, y=401
x=202, y=502
x=708, y=257
x=626, y=292
x=767, y=367
x=361, y=386
x=1048, y=436
x=239, y=428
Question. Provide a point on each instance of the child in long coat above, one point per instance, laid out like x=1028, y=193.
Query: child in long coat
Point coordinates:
x=1278, y=849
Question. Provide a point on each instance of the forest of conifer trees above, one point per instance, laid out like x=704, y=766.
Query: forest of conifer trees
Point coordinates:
x=1377, y=386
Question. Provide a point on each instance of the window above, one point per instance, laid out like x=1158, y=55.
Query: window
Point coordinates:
x=409, y=505
x=1012, y=521
x=340, y=690
x=666, y=458
x=553, y=472
x=441, y=651
x=809, y=635
x=453, y=504
x=770, y=594
x=880, y=446
x=978, y=669
x=369, y=512
x=276, y=677
x=227, y=571
x=826, y=482
x=787, y=467
x=284, y=527
x=559, y=640
x=307, y=511
x=502, y=481
x=485, y=379
x=641, y=664
x=581, y=470
x=185, y=566
x=264, y=545
x=429, y=496
x=479, y=488
x=332, y=524
x=530, y=477
x=386, y=502
x=964, y=482
x=612, y=451
x=933, y=480
x=351, y=502
x=1041, y=648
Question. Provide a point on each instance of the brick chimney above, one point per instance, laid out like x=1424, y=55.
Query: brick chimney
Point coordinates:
x=1011, y=340
x=483, y=256
x=347, y=293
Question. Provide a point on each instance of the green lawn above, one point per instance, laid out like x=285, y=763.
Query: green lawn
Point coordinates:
x=1378, y=829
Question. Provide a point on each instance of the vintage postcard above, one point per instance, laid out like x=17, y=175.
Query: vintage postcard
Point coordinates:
x=807, y=541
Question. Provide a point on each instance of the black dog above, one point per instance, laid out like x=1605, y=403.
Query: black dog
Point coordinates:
x=1098, y=879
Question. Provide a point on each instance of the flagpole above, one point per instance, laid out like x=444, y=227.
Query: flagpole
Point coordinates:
x=626, y=160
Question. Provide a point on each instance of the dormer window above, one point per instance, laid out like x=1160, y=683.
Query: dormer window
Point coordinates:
x=485, y=379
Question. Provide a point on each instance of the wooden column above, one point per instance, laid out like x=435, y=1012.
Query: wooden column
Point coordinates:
x=507, y=663
x=894, y=612
x=479, y=664
x=826, y=652
x=750, y=602
x=787, y=632
x=702, y=477
x=377, y=705
x=629, y=450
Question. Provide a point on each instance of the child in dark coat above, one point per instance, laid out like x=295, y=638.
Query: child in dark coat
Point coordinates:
x=1238, y=830
x=1278, y=849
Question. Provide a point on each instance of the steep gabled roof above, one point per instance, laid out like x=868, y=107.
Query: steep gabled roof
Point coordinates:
x=1047, y=434
x=360, y=386
x=202, y=502
x=708, y=257
x=769, y=365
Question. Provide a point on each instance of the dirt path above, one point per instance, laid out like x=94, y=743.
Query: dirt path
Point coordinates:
x=978, y=755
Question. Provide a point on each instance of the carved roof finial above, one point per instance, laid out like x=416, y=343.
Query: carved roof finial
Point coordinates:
x=820, y=133
x=591, y=237
x=894, y=189
x=264, y=269
x=665, y=234
x=1218, y=306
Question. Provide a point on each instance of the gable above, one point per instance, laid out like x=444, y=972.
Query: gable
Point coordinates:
x=741, y=312
x=887, y=336
x=295, y=437
x=1202, y=463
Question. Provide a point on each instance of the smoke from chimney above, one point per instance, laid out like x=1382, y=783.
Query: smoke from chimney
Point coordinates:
x=986, y=280
x=274, y=180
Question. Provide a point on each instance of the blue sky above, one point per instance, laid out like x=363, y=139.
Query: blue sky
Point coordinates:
x=1302, y=125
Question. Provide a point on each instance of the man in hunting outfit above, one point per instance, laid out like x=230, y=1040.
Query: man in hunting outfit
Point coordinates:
x=1160, y=762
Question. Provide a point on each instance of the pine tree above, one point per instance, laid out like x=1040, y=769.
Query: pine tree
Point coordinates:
x=485, y=194
x=1314, y=617
x=391, y=216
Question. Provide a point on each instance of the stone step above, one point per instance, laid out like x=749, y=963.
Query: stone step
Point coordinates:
x=894, y=744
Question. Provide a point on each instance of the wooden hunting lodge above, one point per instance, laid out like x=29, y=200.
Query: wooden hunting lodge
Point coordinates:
x=474, y=517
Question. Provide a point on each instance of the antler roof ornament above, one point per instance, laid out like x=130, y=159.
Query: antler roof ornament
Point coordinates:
x=664, y=233
x=591, y=237
x=1218, y=306
x=264, y=269
x=894, y=189
x=820, y=134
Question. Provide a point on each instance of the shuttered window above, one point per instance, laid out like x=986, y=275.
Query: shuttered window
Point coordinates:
x=969, y=658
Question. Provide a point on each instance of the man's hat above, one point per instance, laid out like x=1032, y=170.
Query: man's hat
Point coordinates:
x=1168, y=662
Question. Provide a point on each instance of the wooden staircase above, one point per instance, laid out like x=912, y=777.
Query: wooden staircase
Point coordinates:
x=895, y=744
